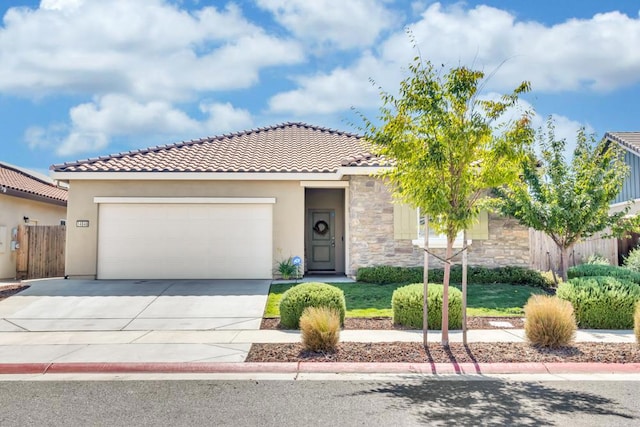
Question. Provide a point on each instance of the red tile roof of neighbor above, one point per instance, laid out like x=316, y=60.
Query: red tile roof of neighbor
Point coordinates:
x=289, y=147
x=630, y=140
x=24, y=183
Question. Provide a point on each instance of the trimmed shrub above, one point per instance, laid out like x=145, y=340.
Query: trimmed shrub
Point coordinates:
x=550, y=321
x=590, y=270
x=320, y=328
x=601, y=302
x=406, y=303
x=632, y=260
x=385, y=274
x=312, y=294
x=636, y=322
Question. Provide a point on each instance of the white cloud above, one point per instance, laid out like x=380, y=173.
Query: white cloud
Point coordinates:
x=345, y=24
x=225, y=118
x=36, y=137
x=326, y=93
x=149, y=49
x=94, y=124
x=82, y=142
x=596, y=54
x=60, y=4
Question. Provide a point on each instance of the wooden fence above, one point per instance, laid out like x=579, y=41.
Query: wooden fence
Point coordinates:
x=544, y=254
x=41, y=251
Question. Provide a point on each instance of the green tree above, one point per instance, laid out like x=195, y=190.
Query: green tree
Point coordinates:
x=448, y=147
x=568, y=201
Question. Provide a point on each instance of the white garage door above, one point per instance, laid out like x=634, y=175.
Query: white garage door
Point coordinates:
x=185, y=241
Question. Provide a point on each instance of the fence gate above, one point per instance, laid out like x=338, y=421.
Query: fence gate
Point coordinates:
x=41, y=251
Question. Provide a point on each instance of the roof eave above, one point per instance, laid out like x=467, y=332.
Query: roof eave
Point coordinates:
x=632, y=148
x=34, y=197
x=217, y=176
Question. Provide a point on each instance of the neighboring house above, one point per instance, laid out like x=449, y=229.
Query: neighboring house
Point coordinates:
x=26, y=197
x=233, y=206
x=630, y=141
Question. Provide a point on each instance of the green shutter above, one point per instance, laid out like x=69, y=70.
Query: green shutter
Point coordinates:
x=480, y=230
x=405, y=222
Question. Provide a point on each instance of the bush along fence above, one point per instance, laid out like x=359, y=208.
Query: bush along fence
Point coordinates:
x=385, y=274
x=601, y=302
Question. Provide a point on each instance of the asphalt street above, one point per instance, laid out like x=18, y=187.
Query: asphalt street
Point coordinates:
x=428, y=401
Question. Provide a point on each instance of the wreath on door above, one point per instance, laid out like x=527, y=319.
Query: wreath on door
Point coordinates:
x=321, y=227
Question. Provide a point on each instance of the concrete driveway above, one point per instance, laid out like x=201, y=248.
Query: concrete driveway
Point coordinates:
x=135, y=305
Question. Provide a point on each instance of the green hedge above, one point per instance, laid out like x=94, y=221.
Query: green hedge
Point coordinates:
x=385, y=274
x=312, y=294
x=601, y=302
x=407, y=306
x=590, y=270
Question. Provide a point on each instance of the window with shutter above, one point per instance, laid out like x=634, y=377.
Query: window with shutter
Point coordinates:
x=404, y=222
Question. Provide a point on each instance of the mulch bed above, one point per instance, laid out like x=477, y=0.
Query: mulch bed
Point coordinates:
x=409, y=352
x=399, y=352
x=7, y=290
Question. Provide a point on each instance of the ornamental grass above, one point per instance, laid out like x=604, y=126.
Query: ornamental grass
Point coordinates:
x=320, y=328
x=550, y=321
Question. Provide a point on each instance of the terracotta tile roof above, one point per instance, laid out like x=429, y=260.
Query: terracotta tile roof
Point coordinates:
x=289, y=147
x=630, y=140
x=18, y=181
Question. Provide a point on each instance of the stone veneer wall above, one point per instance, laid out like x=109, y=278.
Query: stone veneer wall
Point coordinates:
x=371, y=239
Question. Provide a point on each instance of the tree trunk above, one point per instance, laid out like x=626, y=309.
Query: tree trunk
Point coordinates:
x=564, y=262
x=445, y=292
x=464, y=287
x=425, y=279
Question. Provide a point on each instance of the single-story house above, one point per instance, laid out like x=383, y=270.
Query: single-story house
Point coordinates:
x=233, y=206
x=26, y=197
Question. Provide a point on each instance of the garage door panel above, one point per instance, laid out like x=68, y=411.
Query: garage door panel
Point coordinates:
x=148, y=241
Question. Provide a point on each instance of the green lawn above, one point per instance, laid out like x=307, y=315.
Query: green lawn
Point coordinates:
x=367, y=300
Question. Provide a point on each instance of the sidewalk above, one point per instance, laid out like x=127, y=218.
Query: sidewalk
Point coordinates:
x=225, y=351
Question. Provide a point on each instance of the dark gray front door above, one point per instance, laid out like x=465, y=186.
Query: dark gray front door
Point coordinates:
x=321, y=242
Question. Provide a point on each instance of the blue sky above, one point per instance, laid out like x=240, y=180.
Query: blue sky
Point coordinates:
x=83, y=78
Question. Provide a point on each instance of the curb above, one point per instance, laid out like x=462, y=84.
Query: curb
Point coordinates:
x=323, y=367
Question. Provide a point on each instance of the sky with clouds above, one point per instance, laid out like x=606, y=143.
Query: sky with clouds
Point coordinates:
x=83, y=78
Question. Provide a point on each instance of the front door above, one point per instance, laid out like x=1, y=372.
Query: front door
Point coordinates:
x=321, y=248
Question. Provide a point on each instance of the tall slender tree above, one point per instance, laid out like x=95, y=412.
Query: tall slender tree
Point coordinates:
x=448, y=146
x=569, y=201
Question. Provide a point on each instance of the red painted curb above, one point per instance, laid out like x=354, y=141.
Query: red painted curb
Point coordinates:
x=23, y=368
x=178, y=367
x=322, y=367
x=593, y=368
